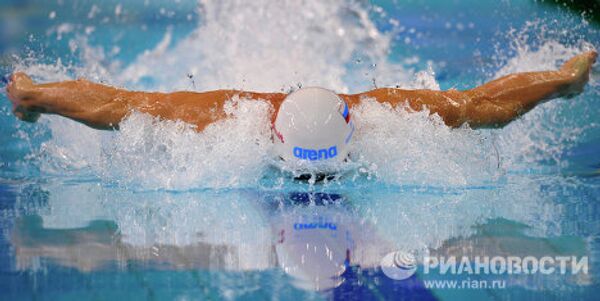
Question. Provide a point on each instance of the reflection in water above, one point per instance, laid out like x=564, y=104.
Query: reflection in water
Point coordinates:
x=314, y=246
x=321, y=241
x=99, y=244
x=311, y=236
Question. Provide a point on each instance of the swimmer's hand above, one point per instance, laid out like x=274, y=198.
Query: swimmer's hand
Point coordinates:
x=21, y=92
x=577, y=70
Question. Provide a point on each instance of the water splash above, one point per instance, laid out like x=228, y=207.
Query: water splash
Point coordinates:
x=389, y=148
x=172, y=155
x=268, y=46
x=542, y=136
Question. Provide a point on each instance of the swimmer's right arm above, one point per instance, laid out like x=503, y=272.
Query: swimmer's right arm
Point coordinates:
x=104, y=107
x=95, y=105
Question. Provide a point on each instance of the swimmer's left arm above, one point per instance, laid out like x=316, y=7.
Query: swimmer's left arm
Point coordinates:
x=449, y=105
x=496, y=103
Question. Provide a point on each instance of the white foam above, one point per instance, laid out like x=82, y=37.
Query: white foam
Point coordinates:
x=416, y=148
x=173, y=155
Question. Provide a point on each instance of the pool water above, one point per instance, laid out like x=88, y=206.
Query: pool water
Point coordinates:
x=158, y=211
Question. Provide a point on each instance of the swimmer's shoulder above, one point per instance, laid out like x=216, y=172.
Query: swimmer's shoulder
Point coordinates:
x=351, y=99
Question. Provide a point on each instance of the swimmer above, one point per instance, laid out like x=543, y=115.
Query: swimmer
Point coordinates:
x=310, y=124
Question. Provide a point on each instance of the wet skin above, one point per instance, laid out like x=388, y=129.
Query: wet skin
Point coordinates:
x=493, y=104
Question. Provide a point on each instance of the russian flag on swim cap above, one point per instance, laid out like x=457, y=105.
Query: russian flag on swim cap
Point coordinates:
x=346, y=113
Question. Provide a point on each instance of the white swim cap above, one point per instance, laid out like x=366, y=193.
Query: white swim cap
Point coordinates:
x=313, y=125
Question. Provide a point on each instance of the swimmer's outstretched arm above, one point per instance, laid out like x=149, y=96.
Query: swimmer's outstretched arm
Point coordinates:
x=496, y=103
x=104, y=107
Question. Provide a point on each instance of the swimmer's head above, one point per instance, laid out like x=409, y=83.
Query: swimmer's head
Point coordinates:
x=313, y=127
